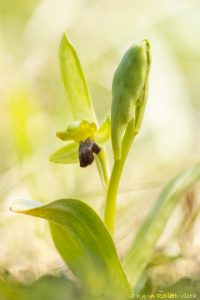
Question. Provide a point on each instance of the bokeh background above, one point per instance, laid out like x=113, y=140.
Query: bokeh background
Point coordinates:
x=33, y=107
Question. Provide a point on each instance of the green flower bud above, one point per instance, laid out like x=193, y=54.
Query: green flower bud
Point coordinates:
x=129, y=90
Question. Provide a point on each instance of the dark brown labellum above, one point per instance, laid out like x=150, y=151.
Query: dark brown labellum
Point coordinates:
x=95, y=148
x=86, y=150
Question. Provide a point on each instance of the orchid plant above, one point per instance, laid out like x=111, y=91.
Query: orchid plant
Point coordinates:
x=83, y=239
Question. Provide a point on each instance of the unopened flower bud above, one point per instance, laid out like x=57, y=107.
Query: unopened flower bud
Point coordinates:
x=129, y=90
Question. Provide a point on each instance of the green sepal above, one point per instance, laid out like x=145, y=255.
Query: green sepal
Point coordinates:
x=67, y=154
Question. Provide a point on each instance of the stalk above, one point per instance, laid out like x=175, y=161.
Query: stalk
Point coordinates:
x=113, y=187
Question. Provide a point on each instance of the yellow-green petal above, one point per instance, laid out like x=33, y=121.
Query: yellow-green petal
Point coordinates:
x=78, y=131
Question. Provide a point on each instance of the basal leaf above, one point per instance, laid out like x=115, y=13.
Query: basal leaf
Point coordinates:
x=142, y=249
x=74, y=81
x=86, y=246
x=67, y=154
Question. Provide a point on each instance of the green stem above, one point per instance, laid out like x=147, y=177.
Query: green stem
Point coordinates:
x=111, y=196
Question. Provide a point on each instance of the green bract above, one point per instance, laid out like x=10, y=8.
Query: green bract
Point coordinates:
x=129, y=90
x=75, y=82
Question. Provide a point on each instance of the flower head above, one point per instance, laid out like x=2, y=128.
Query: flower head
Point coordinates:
x=83, y=138
x=83, y=135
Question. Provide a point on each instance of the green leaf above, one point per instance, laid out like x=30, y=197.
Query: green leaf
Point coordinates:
x=66, y=155
x=86, y=246
x=142, y=249
x=74, y=81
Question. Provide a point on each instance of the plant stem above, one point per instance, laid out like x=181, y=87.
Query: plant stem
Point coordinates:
x=111, y=196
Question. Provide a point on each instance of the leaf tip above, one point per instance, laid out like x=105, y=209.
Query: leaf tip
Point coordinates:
x=65, y=41
x=24, y=205
x=64, y=37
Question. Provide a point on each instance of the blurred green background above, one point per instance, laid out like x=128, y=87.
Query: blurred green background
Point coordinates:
x=33, y=107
